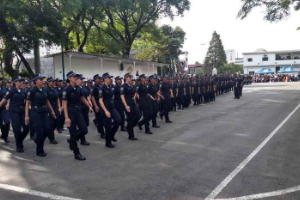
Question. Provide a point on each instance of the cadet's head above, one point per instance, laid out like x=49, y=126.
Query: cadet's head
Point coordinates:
x=143, y=78
x=80, y=80
x=51, y=82
x=72, y=77
x=58, y=82
x=118, y=80
x=18, y=82
x=98, y=79
x=39, y=80
x=107, y=78
x=128, y=78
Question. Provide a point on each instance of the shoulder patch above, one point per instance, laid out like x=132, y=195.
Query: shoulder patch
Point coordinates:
x=64, y=95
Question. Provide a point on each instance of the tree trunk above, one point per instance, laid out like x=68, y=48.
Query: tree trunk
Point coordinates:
x=8, y=63
x=37, y=58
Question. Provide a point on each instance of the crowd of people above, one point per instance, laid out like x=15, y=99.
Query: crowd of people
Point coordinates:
x=42, y=106
x=266, y=78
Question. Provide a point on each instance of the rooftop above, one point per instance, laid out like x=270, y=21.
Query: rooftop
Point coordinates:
x=263, y=51
x=105, y=58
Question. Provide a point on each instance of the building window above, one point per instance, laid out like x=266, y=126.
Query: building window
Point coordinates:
x=265, y=58
x=250, y=59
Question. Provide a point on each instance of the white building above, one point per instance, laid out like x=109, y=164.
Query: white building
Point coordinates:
x=276, y=60
x=91, y=64
x=44, y=50
x=230, y=55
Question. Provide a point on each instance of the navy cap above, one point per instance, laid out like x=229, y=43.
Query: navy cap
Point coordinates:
x=72, y=74
x=18, y=79
x=81, y=77
x=127, y=75
x=38, y=77
x=58, y=80
x=118, y=78
x=89, y=81
x=106, y=75
x=26, y=82
x=50, y=79
x=97, y=76
x=142, y=76
x=9, y=81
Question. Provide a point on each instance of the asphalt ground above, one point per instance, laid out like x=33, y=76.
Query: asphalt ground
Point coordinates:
x=186, y=160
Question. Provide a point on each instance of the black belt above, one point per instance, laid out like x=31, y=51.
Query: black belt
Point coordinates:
x=38, y=107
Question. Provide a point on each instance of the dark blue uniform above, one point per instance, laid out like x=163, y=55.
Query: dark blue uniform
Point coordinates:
x=39, y=117
x=53, y=99
x=4, y=116
x=60, y=117
x=73, y=98
x=119, y=104
x=166, y=102
x=145, y=106
x=111, y=124
x=17, y=115
x=84, y=109
x=98, y=116
x=152, y=90
x=134, y=115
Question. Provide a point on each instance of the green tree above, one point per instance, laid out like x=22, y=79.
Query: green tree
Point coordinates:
x=231, y=68
x=161, y=44
x=276, y=10
x=127, y=18
x=215, y=56
x=23, y=23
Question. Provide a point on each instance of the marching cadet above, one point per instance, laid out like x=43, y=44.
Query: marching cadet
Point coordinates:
x=111, y=117
x=144, y=104
x=180, y=92
x=118, y=102
x=174, y=89
x=165, y=93
x=32, y=135
x=96, y=105
x=56, y=106
x=188, y=90
x=9, y=84
x=17, y=97
x=195, y=92
x=72, y=98
x=153, y=97
x=61, y=117
x=37, y=98
x=83, y=108
x=4, y=115
x=131, y=109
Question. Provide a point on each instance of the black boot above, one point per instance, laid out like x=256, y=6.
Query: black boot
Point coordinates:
x=78, y=156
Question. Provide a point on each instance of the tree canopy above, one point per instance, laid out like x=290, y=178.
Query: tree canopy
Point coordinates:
x=215, y=56
x=94, y=26
x=276, y=10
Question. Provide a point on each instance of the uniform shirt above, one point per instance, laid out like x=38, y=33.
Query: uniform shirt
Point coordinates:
x=142, y=90
x=72, y=95
x=107, y=93
x=3, y=92
x=152, y=90
x=117, y=93
x=195, y=86
x=95, y=93
x=17, y=98
x=129, y=92
x=52, y=96
x=180, y=87
x=38, y=97
x=59, y=92
x=188, y=87
x=165, y=90
x=174, y=87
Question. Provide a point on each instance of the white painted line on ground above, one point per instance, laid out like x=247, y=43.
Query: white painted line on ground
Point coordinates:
x=267, y=194
x=227, y=180
x=34, y=193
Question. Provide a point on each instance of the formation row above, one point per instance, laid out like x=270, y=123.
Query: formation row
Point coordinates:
x=45, y=105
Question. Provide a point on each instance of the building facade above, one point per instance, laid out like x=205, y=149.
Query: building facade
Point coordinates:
x=276, y=60
x=230, y=55
x=91, y=64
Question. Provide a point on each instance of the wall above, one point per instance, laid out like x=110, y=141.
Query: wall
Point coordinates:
x=90, y=67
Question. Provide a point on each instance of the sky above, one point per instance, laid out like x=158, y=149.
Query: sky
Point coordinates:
x=248, y=35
